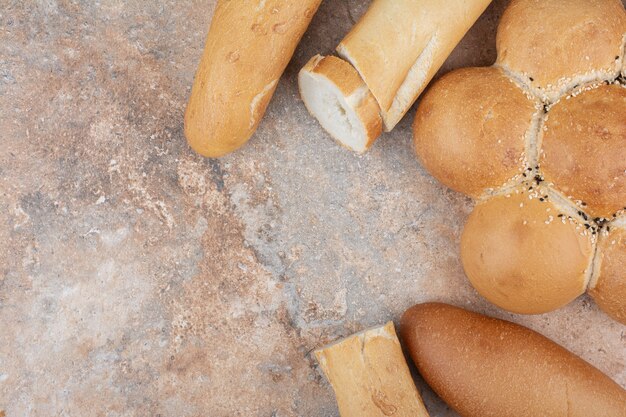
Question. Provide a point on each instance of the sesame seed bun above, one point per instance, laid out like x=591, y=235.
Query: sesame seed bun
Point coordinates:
x=584, y=149
x=609, y=288
x=470, y=129
x=556, y=44
x=524, y=254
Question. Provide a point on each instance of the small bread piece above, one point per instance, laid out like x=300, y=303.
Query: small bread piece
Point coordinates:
x=584, y=149
x=470, y=129
x=608, y=289
x=337, y=97
x=485, y=367
x=370, y=375
x=247, y=49
x=556, y=44
x=522, y=256
x=398, y=47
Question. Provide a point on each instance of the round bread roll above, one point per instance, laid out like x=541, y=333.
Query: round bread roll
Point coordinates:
x=584, y=149
x=485, y=367
x=609, y=288
x=556, y=44
x=518, y=252
x=524, y=255
x=470, y=130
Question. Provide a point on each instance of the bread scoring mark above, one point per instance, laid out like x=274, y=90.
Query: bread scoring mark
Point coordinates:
x=414, y=82
x=553, y=94
x=233, y=57
x=533, y=137
x=256, y=106
x=259, y=29
x=381, y=402
x=280, y=28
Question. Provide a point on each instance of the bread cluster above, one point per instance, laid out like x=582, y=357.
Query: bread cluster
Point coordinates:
x=539, y=141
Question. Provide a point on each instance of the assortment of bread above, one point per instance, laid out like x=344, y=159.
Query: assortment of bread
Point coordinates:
x=395, y=49
x=539, y=140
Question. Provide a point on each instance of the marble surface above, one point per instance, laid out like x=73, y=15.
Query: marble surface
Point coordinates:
x=139, y=279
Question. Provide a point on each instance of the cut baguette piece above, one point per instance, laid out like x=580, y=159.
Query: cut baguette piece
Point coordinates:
x=370, y=375
x=398, y=46
x=337, y=97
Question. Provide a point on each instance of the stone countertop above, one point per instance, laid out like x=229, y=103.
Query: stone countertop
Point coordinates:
x=138, y=278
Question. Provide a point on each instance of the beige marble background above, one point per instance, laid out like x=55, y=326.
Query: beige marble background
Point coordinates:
x=139, y=279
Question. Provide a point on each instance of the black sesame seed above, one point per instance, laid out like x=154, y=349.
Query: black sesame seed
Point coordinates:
x=587, y=225
x=608, y=228
x=616, y=57
x=541, y=199
x=532, y=79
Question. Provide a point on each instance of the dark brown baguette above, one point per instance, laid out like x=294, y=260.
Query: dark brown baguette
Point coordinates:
x=485, y=367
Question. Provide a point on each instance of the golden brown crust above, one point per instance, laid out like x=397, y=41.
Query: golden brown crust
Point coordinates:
x=470, y=128
x=554, y=42
x=247, y=49
x=342, y=76
x=398, y=46
x=485, y=367
x=584, y=149
x=522, y=256
x=370, y=376
x=610, y=289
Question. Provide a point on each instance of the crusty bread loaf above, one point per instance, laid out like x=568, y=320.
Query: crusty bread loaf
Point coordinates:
x=396, y=47
x=556, y=44
x=337, y=97
x=472, y=124
x=522, y=253
x=608, y=288
x=485, y=367
x=247, y=49
x=370, y=375
x=471, y=151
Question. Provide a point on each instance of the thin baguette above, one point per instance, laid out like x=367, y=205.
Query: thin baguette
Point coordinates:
x=398, y=47
x=247, y=49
